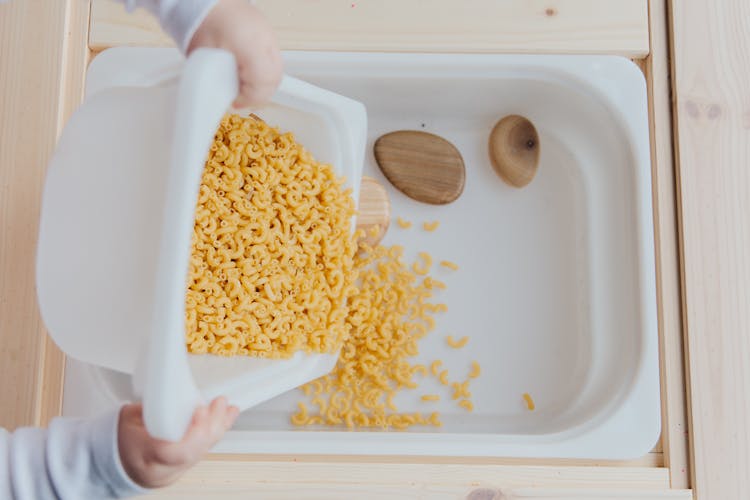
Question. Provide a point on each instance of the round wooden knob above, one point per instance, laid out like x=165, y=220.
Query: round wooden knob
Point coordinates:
x=514, y=150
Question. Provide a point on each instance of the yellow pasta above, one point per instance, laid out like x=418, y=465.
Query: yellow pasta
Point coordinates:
x=476, y=370
x=431, y=397
x=465, y=403
x=449, y=265
x=272, y=258
x=403, y=224
x=435, y=367
x=529, y=402
x=443, y=377
x=430, y=226
x=424, y=268
x=456, y=344
x=387, y=313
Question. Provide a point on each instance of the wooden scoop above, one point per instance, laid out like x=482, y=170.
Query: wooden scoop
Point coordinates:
x=514, y=150
x=374, y=210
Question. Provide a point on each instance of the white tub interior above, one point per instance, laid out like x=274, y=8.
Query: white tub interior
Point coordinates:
x=556, y=286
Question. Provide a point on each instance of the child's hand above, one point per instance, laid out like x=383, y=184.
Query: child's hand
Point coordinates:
x=240, y=28
x=154, y=463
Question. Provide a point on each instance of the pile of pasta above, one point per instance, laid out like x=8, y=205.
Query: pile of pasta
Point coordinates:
x=275, y=268
x=272, y=262
x=388, y=314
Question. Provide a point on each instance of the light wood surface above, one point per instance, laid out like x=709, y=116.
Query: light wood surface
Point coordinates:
x=41, y=67
x=674, y=437
x=712, y=102
x=37, y=92
x=374, y=209
x=552, y=26
x=423, y=166
x=454, y=481
x=514, y=150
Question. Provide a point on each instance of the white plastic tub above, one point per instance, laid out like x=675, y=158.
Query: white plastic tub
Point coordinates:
x=556, y=287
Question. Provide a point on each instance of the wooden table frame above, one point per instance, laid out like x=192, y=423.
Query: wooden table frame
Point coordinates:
x=44, y=50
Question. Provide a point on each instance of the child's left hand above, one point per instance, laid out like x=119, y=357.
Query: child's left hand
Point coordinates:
x=154, y=463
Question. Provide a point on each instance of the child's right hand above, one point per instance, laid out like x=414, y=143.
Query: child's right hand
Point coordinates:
x=153, y=463
x=240, y=28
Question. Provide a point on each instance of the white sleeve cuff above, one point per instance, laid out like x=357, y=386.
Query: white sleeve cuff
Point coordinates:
x=103, y=436
x=183, y=19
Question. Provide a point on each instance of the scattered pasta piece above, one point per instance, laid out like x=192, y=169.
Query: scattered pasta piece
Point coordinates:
x=431, y=397
x=443, y=377
x=456, y=344
x=476, y=370
x=449, y=265
x=403, y=224
x=456, y=390
x=425, y=268
x=430, y=226
x=435, y=367
x=420, y=369
x=466, y=404
x=433, y=283
x=529, y=402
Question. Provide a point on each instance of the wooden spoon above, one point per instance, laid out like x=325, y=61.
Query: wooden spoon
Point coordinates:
x=374, y=210
x=514, y=150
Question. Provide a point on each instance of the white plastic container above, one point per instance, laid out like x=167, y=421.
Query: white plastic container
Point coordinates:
x=117, y=217
x=556, y=286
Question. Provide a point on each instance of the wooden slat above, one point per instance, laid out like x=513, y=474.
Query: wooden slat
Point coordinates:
x=712, y=106
x=76, y=55
x=335, y=480
x=410, y=492
x=674, y=412
x=552, y=26
x=652, y=459
x=36, y=39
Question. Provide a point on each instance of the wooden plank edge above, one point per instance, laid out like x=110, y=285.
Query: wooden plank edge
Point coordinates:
x=417, y=490
x=653, y=459
x=668, y=251
x=245, y=473
x=549, y=30
x=75, y=56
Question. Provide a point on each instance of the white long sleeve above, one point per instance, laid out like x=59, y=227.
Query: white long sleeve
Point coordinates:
x=72, y=459
x=179, y=18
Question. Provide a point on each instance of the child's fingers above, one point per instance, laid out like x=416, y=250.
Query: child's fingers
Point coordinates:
x=231, y=416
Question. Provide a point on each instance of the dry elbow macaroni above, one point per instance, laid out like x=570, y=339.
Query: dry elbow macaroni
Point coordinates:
x=456, y=344
x=388, y=314
x=274, y=269
x=402, y=223
x=272, y=261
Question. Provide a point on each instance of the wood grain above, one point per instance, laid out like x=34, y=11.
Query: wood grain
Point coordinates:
x=33, y=66
x=712, y=106
x=657, y=70
x=374, y=209
x=361, y=480
x=411, y=491
x=514, y=150
x=551, y=26
x=421, y=165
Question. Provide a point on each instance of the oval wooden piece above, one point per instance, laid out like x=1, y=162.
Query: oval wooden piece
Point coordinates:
x=374, y=210
x=421, y=165
x=514, y=150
